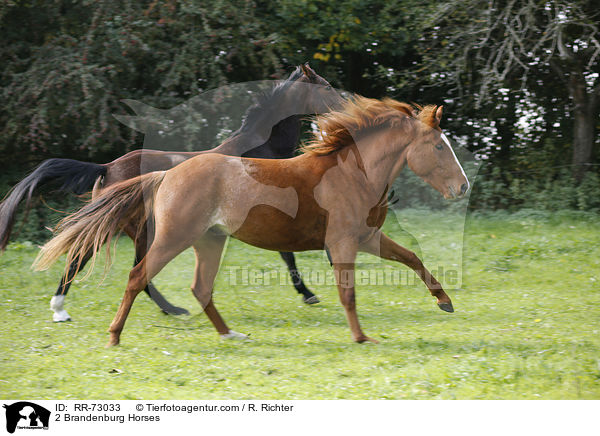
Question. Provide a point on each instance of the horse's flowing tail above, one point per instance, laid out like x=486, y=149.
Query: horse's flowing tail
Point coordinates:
x=85, y=231
x=75, y=176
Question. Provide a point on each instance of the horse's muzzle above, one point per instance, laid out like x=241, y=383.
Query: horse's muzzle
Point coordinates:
x=455, y=194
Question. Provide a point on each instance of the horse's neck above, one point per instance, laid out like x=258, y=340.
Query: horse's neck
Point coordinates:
x=271, y=133
x=272, y=114
x=383, y=156
x=283, y=140
x=279, y=145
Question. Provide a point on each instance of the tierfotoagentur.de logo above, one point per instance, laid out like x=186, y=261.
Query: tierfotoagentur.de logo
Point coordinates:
x=24, y=415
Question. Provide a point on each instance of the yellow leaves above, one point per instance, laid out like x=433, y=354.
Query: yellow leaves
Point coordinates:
x=322, y=56
x=333, y=46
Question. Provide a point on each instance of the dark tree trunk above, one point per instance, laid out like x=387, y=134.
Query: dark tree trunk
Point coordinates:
x=584, y=123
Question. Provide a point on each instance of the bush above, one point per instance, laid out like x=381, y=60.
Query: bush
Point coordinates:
x=495, y=190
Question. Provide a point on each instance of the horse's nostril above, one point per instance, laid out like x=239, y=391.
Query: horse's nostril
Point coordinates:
x=463, y=188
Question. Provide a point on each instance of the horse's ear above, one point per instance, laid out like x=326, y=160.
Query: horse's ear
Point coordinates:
x=307, y=70
x=438, y=113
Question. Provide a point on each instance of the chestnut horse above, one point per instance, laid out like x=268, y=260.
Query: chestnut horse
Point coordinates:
x=333, y=197
x=271, y=130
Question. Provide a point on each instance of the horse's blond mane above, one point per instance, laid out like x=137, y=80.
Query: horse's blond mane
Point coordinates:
x=337, y=129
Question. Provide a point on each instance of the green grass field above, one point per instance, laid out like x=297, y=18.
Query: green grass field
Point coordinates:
x=526, y=326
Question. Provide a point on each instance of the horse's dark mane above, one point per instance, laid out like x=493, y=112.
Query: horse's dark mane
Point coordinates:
x=265, y=99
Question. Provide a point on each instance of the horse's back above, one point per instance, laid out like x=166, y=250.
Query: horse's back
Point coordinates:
x=143, y=161
x=264, y=202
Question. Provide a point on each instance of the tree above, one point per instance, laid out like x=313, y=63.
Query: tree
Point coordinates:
x=483, y=46
x=353, y=43
x=67, y=65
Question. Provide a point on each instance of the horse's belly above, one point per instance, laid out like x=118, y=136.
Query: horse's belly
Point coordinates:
x=269, y=228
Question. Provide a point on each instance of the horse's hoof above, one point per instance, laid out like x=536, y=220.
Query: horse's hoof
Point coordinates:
x=446, y=307
x=364, y=339
x=57, y=306
x=311, y=300
x=114, y=339
x=61, y=316
x=231, y=334
x=176, y=311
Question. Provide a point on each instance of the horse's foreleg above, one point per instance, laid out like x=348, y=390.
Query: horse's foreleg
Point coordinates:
x=208, y=256
x=307, y=296
x=342, y=258
x=381, y=245
x=58, y=300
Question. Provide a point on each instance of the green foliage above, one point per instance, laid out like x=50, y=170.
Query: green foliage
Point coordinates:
x=587, y=193
x=62, y=83
x=353, y=43
x=550, y=192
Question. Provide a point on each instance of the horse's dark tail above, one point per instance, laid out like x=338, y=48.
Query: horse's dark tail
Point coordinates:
x=76, y=176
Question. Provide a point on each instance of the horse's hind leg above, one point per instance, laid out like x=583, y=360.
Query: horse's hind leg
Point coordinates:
x=142, y=242
x=208, y=256
x=157, y=257
x=307, y=296
x=58, y=300
x=137, y=282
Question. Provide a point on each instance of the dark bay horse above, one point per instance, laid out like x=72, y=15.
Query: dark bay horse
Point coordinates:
x=333, y=197
x=270, y=130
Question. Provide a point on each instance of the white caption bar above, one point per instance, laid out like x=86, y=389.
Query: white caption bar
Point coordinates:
x=464, y=418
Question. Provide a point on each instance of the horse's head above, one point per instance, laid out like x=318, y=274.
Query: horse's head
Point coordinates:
x=431, y=157
x=316, y=94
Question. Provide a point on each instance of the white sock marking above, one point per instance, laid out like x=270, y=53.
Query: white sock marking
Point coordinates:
x=234, y=335
x=60, y=314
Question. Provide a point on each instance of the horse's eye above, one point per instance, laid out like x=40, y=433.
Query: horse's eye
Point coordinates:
x=439, y=146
